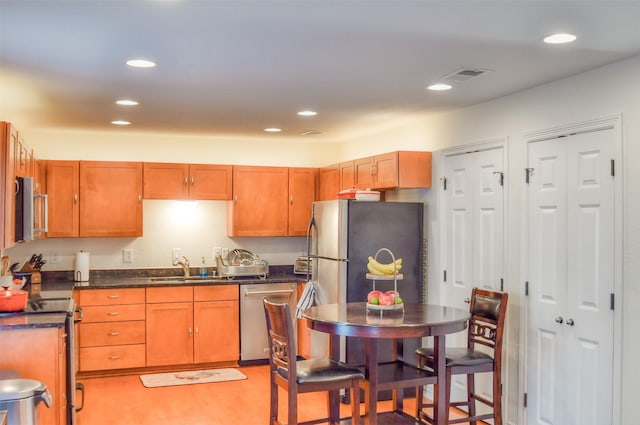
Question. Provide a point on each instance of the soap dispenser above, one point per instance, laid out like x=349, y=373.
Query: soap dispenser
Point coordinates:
x=203, y=269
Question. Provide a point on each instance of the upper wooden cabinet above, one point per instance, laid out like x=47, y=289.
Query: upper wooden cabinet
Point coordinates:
x=302, y=193
x=394, y=170
x=8, y=144
x=328, y=182
x=260, y=202
x=271, y=201
x=187, y=181
x=94, y=198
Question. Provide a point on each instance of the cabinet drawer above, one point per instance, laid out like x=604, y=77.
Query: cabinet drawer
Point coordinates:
x=112, y=357
x=170, y=294
x=116, y=333
x=113, y=313
x=215, y=293
x=112, y=296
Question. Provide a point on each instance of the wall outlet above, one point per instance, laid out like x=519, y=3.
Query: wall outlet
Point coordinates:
x=176, y=253
x=127, y=255
x=54, y=258
x=217, y=251
x=225, y=252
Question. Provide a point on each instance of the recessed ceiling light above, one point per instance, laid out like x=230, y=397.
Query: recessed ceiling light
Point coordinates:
x=273, y=130
x=120, y=122
x=307, y=113
x=126, y=102
x=141, y=63
x=439, y=87
x=559, y=38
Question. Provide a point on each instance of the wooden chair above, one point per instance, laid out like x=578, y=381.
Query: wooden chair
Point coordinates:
x=488, y=310
x=303, y=376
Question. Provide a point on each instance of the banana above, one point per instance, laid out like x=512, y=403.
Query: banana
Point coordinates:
x=376, y=267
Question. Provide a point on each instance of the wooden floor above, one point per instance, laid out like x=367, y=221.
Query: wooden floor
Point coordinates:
x=124, y=400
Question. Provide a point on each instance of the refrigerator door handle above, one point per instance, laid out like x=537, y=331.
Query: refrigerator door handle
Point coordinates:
x=322, y=257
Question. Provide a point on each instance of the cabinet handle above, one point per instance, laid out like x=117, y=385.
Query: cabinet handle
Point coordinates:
x=559, y=319
x=113, y=296
x=291, y=200
x=193, y=180
x=570, y=322
x=467, y=300
x=113, y=313
x=116, y=357
x=197, y=331
x=190, y=332
x=139, y=197
x=186, y=180
x=113, y=333
x=75, y=198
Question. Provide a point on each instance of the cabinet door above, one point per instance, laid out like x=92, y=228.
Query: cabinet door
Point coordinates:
x=166, y=181
x=212, y=182
x=169, y=333
x=363, y=171
x=217, y=331
x=347, y=175
x=64, y=192
x=259, y=206
x=8, y=143
x=385, y=171
x=22, y=159
x=110, y=199
x=302, y=193
x=329, y=182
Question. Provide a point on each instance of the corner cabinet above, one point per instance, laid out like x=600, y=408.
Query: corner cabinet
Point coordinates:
x=94, y=199
x=187, y=181
x=271, y=201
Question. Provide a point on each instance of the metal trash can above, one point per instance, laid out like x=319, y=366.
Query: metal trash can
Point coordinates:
x=20, y=397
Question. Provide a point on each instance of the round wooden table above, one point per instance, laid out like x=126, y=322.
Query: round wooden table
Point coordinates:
x=413, y=321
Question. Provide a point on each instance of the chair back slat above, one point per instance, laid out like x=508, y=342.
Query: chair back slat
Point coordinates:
x=488, y=309
x=280, y=329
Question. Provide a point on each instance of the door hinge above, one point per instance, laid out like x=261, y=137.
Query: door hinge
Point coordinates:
x=612, y=301
x=527, y=173
x=524, y=400
x=526, y=289
x=613, y=168
x=444, y=182
x=445, y=275
x=501, y=177
x=501, y=284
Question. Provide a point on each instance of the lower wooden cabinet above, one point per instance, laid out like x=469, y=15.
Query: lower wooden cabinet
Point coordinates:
x=192, y=325
x=39, y=353
x=112, y=332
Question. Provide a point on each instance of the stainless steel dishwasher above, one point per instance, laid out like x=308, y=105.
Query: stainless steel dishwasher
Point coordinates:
x=254, y=347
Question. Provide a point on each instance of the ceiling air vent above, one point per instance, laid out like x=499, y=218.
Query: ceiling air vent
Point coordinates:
x=312, y=132
x=464, y=74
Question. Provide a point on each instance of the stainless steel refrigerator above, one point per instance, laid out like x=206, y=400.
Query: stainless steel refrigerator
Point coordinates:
x=342, y=235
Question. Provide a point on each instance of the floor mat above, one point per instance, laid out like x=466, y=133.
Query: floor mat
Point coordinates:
x=191, y=377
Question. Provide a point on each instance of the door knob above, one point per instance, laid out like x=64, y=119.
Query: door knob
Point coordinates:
x=559, y=319
x=570, y=322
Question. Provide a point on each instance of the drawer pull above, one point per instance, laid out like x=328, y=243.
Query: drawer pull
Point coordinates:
x=112, y=297
x=113, y=313
x=113, y=333
x=116, y=357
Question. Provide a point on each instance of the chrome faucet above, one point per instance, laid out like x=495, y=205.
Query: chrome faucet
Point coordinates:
x=184, y=264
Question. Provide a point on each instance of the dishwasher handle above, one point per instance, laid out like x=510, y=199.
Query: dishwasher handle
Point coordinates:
x=273, y=292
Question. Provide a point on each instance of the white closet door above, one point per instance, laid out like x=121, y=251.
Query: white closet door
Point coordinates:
x=571, y=279
x=473, y=237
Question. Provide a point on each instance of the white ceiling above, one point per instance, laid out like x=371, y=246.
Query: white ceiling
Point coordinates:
x=233, y=68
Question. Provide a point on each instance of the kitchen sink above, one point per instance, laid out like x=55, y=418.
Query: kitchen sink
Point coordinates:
x=185, y=279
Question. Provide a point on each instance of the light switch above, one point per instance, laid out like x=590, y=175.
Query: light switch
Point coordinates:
x=127, y=255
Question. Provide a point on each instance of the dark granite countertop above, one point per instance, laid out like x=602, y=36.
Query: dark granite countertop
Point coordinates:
x=26, y=321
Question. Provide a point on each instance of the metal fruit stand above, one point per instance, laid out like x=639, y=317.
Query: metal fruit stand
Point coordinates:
x=386, y=277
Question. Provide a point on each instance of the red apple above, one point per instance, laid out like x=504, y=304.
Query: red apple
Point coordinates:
x=386, y=299
x=373, y=295
x=393, y=294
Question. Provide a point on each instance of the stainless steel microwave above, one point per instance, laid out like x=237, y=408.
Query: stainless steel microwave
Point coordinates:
x=31, y=210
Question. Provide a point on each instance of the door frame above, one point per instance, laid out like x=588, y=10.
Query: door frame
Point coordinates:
x=613, y=122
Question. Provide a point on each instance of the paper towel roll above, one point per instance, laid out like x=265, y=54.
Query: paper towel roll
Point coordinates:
x=81, y=271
